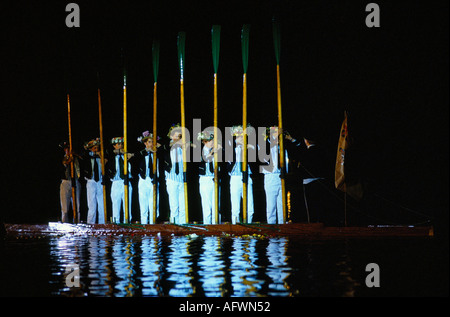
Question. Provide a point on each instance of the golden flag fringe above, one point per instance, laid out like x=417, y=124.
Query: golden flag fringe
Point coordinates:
x=343, y=183
x=339, y=174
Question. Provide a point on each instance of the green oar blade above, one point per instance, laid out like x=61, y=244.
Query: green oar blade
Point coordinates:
x=244, y=43
x=155, y=57
x=276, y=39
x=181, y=51
x=215, y=34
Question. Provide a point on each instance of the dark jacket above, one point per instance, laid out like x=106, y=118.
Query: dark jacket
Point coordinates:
x=315, y=163
x=142, y=168
x=111, y=165
x=203, y=165
x=86, y=166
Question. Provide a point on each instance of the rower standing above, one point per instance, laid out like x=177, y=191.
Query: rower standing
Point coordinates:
x=94, y=182
x=65, y=189
x=236, y=178
x=147, y=179
x=272, y=178
x=117, y=176
x=206, y=177
x=173, y=170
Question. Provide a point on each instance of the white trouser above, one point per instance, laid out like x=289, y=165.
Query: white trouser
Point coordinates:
x=176, y=201
x=206, y=184
x=236, y=193
x=145, y=188
x=274, y=198
x=118, y=200
x=65, y=194
x=94, y=193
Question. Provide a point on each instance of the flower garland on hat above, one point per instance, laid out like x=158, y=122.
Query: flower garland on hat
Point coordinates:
x=237, y=130
x=205, y=136
x=174, y=126
x=145, y=136
x=91, y=143
x=116, y=140
x=269, y=131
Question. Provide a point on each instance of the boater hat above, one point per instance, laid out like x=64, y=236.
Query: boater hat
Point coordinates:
x=269, y=130
x=237, y=130
x=117, y=140
x=145, y=136
x=89, y=144
x=205, y=136
x=174, y=126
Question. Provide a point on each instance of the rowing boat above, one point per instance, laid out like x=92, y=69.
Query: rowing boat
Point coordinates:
x=306, y=230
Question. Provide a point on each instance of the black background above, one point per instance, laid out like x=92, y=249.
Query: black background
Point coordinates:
x=393, y=80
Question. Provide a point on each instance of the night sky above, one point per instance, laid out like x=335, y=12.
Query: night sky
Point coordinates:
x=392, y=80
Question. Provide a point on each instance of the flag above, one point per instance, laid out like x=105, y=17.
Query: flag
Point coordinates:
x=343, y=183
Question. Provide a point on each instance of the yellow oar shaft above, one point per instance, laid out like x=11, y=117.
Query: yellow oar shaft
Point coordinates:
x=102, y=150
x=183, y=139
x=216, y=166
x=72, y=168
x=281, y=140
x=125, y=156
x=155, y=140
x=244, y=150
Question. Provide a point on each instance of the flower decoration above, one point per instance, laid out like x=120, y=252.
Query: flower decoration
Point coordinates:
x=145, y=136
x=91, y=143
x=174, y=126
x=116, y=140
x=237, y=130
x=205, y=135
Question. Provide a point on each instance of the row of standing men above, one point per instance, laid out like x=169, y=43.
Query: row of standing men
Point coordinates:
x=170, y=168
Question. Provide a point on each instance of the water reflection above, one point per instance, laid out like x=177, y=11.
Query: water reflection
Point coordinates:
x=216, y=266
x=278, y=269
x=173, y=266
x=201, y=266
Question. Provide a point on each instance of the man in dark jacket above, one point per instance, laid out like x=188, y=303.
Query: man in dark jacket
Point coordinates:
x=147, y=178
x=92, y=170
x=65, y=189
x=315, y=170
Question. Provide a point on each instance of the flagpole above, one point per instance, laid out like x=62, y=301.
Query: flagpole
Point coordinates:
x=155, y=56
x=345, y=208
x=125, y=144
x=276, y=40
x=72, y=172
x=181, y=52
x=244, y=43
x=215, y=32
x=102, y=150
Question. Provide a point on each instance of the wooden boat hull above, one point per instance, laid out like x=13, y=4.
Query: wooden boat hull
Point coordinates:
x=313, y=230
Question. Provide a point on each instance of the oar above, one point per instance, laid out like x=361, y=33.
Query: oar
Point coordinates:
x=125, y=141
x=215, y=33
x=72, y=172
x=181, y=53
x=155, y=56
x=276, y=42
x=244, y=44
x=102, y=148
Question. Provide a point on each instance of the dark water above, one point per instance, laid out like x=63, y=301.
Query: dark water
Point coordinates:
x=221, y=267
